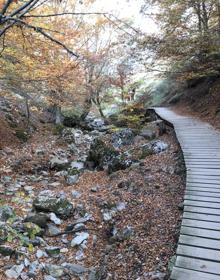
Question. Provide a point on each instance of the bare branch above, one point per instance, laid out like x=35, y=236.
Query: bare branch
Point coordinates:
x=63, y=14
x=22, y=8
x=4, y=9
x=41, y=31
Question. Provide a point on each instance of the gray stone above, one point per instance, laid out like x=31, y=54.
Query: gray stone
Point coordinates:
x=55, y=219
x=76, y=194
x=33, y=268
x=54, y=270
x=79, y=239
x=52, y=230
x=148, y=133
x=52, y=251
x=49, y=277
x=39, y=219
x=59, y=164
x=77, y=165
x=15, y=271
x=40, y=254
x=6, y=212
x=60, y=206
x=124, y=136
x=75, y=269
x=6, y=251
x=72, y=179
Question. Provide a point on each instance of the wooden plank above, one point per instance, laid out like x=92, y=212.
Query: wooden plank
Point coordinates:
x=207, y=233
x=201, y=224
x=202, y=198
x=201, y=210
x=186, y=274
x=203, y=172
x=198, y=265
x=198, y=193
x=202, y=204
x=199, y=242
x=201, y=217
x=203, y=185
x=206, y=180
x=197, y=252
x=203, y=190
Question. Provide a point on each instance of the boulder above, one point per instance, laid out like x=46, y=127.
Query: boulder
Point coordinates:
x=59, y=164
x=101, y=154
x=60, y=206
x=122, y=137
x=39, y=219
x=75, y=269
x=6, y=212
x=120, y=162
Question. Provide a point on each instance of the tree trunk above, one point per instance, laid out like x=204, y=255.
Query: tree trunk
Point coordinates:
x=87, y=108
x=27, y=111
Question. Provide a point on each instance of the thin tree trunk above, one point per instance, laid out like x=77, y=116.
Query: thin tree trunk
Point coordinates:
x=27, y=111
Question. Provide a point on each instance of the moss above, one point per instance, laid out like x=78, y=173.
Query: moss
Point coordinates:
x=21, y=134
x=58, y=129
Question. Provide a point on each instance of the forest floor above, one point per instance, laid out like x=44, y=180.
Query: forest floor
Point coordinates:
x=130, y=219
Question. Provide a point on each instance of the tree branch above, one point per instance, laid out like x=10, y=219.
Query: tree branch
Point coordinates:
x=62, y=14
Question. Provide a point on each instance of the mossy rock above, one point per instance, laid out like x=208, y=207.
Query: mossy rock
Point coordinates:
x=100, y=153
x=58, y=129
x=21, y=134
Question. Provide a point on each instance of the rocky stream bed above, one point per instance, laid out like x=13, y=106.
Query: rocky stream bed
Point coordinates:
x=91, y=204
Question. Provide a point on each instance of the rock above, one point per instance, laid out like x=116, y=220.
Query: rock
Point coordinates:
x=156, y=275
x=181, y=206
x=79, y=239
x=76, y=194
x=39, y=219
x=101, y=154
x=75, y=269
x=55, y=184
x=159, y=146
x=6, y=251
x=60, y=206
x=72, y=179
x=148, y=133
x=52, y=230
x=34, y=266
x=59, y=164
x=121, y=235
x=138, y=139
x=6, y=212
x=52, y=251
x=154, y=147
x=94, y=189
x=15, y=271
x=79, y=255
x=40, y=254
x=55, y=219
x=49, y=277
x=64, y=250
x=32, y=229
x=122, y=137
x=77, y=165
x=119, y=163
x=54, y=270
x=40, y=152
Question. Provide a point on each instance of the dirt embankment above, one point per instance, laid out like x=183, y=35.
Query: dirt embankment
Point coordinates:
x=201, y=98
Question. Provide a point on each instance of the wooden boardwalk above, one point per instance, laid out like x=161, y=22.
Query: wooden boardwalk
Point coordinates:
x=198, y=251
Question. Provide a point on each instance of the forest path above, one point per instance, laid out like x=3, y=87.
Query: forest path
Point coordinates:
x=198, y=251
